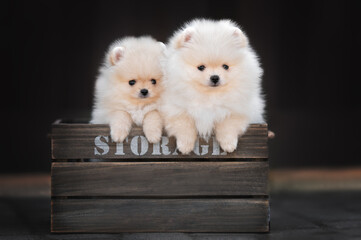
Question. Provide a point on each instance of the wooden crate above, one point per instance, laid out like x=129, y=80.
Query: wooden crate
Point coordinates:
x=101, y=186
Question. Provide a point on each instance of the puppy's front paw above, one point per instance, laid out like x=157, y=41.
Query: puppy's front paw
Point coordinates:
x=185, y=146
x=153, y=134
x=118, y=133
x=153, y=126
x=228, y=144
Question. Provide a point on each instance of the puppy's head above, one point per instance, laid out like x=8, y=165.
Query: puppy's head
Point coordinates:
x=136, y=69
x=211, y=52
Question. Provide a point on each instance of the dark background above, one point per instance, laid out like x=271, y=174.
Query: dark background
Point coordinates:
x=51, y=51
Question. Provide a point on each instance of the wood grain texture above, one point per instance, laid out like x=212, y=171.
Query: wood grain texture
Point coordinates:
x=140, y=187
x=160, y=215
x=77, y=141
x=159, y=178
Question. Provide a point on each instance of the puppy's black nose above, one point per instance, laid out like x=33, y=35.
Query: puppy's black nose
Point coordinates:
x=214, y=78
x=144, y=92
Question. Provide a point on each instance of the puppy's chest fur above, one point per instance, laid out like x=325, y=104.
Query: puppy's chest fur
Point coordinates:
x=206, y=116
x=138, y=114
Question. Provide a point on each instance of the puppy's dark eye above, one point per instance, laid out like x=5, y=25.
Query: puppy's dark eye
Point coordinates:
x=225, y=66
x=201, y=67
x=131, y=82
x=153, y=81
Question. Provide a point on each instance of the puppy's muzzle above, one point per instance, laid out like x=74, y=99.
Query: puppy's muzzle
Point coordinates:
x=144, y=93
x=214, y=80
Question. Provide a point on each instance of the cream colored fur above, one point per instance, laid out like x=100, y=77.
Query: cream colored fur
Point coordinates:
x=119, y=104
x=189, y=105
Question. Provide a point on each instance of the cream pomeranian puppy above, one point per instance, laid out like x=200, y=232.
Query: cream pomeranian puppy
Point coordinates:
x=128, y=88
x=213, y=84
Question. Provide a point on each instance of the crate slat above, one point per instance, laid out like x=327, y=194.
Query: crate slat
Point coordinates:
x=159, y=178
x=60, y=129
x=160, y=215
x=76, y=141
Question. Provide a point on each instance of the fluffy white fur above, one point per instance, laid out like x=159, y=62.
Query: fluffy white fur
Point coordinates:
x=120, y=104
x=190, y=105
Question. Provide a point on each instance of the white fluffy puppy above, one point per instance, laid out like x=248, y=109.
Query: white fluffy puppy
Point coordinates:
x=128, y=88
x=212, y=81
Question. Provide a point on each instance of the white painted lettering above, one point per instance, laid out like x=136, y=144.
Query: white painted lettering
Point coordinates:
x=103, y=145
x=203, y=147
x=217, y=148
x=119, y=148
x=143, y=145
x=165, y=148
x=156, y=149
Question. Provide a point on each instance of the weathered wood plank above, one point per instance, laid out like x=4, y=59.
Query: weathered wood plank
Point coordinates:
x=159, y=178
x=74, y=141
x=60, y=129
x=160, y=215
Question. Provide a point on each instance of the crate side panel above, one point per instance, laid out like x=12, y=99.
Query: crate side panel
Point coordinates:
x=74, y=141
x=67, y=130
x=160, y=215
x=159, y=178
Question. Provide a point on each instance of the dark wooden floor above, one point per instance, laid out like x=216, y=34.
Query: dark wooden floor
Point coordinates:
x=305, y=206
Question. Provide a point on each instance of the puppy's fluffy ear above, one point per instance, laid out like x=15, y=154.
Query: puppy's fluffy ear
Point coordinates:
x=241, y=38
x=184, y=37
x=116, y=54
